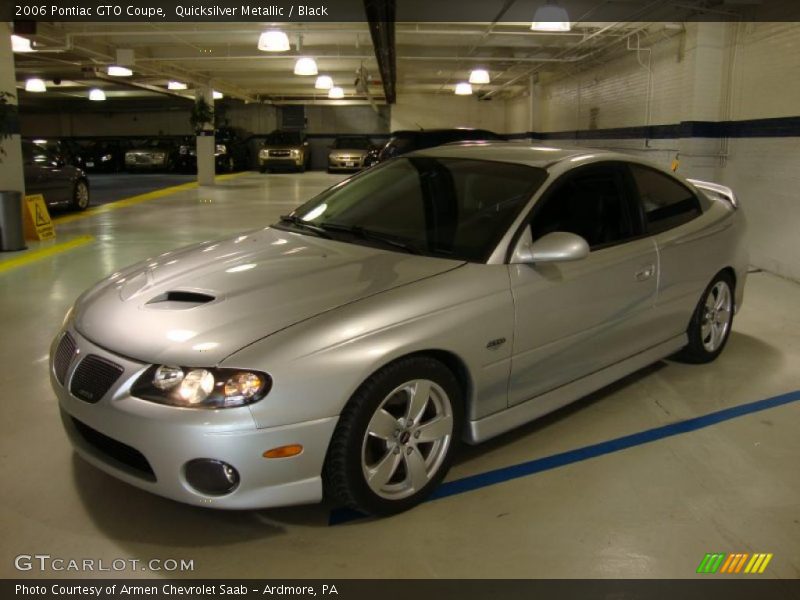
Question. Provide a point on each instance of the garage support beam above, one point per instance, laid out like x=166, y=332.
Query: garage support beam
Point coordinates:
x=11, y=175
x=205, y=140
x=381, y=18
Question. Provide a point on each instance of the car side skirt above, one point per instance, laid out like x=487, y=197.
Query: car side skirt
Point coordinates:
x=493, y=425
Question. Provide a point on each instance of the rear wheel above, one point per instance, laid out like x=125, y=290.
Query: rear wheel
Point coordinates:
x=711, y=322
x=80, y=195
x=395, y=438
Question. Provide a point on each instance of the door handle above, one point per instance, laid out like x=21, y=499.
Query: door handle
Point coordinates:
x=645, y=273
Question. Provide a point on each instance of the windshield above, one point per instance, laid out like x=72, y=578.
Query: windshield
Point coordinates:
x=449, y=207
x=283, y=138
x=351, y=144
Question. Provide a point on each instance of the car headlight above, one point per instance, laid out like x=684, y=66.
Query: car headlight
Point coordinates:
x=192, y=387
x=106, y=157
x=183, y=150
x=221, y=149
x=263, y=153
x=294, y=152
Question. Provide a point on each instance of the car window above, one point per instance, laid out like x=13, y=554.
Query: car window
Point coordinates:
x=454, y=208
x=591, y=204
x=666, y=202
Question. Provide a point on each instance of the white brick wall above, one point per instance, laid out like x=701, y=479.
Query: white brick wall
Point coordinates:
x=714, y=72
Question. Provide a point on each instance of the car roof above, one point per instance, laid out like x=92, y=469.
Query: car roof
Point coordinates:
x=441, y=131
x=524, y=153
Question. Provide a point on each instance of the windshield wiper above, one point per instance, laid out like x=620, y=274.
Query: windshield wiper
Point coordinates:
x=300, y=223
x=373, y=236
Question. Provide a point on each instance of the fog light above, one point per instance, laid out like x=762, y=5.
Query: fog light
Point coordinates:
x=211, y=477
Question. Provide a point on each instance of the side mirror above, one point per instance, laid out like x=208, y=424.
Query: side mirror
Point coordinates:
x=558, y=246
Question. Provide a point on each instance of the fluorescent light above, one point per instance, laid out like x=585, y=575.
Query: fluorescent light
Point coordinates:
x=97, y=95
x=35, y=85
x=117, y=71
x=176, y=85
x=463, y=89
x=550, y=17
x=305, y=66
x=273, y=41
x=20, y=44
x=40, y=141
x=479, y=76
x=217, y=95
x=335, y=93
x=323, y=83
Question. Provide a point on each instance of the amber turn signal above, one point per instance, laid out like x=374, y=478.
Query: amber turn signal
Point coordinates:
x=284, y=451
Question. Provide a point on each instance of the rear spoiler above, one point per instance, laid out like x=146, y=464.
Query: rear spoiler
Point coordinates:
x=716, y=191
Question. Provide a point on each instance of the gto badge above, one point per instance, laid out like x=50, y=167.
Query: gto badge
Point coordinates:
x=495, y=344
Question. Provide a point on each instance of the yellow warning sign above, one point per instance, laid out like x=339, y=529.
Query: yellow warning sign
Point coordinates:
x=38, y=225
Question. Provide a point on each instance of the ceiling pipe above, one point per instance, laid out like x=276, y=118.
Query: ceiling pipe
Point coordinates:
x=381, y=20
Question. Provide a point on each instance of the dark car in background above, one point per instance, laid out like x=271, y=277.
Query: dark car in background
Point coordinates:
x=63, y=150
x=348, y=153
x=101, y=155
x=284, y=149
x=230, y=152
x=46, y=173
x=159, y=154
x=403, y=142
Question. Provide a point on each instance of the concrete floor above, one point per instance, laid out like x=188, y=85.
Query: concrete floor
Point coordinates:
x=653, y=510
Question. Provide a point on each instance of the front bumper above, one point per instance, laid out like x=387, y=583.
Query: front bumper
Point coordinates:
x=278, y=162
x=166, y=438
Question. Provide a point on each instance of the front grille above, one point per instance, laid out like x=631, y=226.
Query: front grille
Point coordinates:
x=65, y=352
x=93, y=377
x=279, y=153
x=119, y=452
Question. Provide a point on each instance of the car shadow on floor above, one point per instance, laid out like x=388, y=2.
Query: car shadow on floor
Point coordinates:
x=126, y=513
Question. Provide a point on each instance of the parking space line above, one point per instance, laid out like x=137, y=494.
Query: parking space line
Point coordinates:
x=480, y=480
x=125, y=202
x=34, y=255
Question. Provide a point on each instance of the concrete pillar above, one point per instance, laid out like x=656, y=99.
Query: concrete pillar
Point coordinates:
x=704, y=96
x=205, y=142
x=11, y=174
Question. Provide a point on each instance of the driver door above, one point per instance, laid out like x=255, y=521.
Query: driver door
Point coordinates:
x=575, y=318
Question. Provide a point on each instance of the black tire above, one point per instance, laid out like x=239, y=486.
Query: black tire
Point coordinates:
x=262, y=169
x=343, y=475
x=699, y=350
x=80, y=195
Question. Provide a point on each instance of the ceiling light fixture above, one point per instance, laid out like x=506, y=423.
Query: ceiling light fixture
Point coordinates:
x=550, y=17
x=35, y=85
x=97, y=95
x=305, y=66
x=176, y=85
x=118, y=71
x=273, y=41
x=21, y=44
x=335, y=93
x=217, y=95
x=463, y=89
x=324, y=82
x=479, y=76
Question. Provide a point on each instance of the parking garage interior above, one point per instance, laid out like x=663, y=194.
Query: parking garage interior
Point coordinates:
x=638, y=480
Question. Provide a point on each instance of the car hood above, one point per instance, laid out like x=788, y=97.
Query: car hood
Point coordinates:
x=198, y=305
x=282, y=146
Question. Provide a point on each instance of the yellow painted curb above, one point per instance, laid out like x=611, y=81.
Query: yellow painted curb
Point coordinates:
x=125, y=202
x=34, y=255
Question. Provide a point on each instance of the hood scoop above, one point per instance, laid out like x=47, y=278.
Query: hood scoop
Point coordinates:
x=179, y=300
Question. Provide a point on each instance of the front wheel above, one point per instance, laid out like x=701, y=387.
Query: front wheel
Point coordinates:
x=711, y=322
x=80, y=196
x=395, y=438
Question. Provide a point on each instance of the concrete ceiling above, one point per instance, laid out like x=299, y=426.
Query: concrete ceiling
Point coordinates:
x=431, y=58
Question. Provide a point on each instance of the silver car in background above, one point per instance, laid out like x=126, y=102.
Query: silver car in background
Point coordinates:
x=348, y=153
x=447, y=295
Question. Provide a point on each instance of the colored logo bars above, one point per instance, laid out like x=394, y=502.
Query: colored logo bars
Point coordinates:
x=734, y=563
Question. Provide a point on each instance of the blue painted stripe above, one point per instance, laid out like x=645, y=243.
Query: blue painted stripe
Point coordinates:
x=747, y=128
x=473, y=482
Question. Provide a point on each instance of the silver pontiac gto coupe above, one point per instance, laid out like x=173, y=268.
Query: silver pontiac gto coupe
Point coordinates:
x=448, y=295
